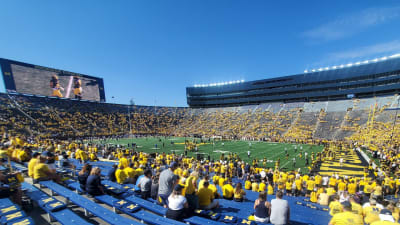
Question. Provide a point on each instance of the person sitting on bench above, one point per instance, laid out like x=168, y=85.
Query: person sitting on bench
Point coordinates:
x=177, y=204
x=42, y=172
x=93, y=183
x=83, y=175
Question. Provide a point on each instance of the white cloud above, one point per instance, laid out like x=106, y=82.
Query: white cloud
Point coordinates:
x=348, y=25
x=361, y=53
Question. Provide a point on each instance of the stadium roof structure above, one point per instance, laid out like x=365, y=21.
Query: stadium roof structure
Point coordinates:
x=376, y=77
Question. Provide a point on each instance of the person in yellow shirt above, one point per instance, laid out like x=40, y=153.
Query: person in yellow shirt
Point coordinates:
x=124, y=161
x=32, y=163
x=368, y=189
x=371, y=213
x=298, y=183
x=323, y=198
x=288, y=185
x=355, y=207
x=335, y=206
x=221, y=180
x=247, y=184
x=42, y=172
x=206, y=197
x=346, y=217
x=332, y=181
x=341, y=186
x=120, y=175
x=239, y=193
x=130, y=173
x=310, y=186
x=313, y=196
x=378, y=191
x=352, y=188
x=254, y=186
x=262, y=187
x=227, y=190
x=330, y=191
x=23, y=155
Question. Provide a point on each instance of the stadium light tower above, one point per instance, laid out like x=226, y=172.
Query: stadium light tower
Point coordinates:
x=131, y=103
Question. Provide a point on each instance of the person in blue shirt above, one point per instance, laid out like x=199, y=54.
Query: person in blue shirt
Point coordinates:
x=93, y=183
x=111, y=173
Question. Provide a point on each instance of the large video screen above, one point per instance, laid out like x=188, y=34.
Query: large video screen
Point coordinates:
x=38, y=80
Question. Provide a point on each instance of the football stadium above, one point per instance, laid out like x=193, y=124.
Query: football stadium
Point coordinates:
x=314, y=148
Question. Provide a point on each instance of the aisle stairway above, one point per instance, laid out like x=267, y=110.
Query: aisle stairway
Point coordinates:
x=352, y=164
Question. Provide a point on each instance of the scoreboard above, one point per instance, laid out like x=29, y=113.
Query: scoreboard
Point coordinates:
x=32, y=79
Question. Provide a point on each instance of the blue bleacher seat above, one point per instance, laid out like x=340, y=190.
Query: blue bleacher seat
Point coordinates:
x=97, y=210
x=76, y=186
x=5, y=202
x=24, y=221
x=196, y=220
x=64, y=216
x=19, y=167
x=142, y=215
x=9, y=209
x=16, y=215
x=148, y=205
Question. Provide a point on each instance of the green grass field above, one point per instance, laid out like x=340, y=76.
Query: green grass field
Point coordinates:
x=259, y=150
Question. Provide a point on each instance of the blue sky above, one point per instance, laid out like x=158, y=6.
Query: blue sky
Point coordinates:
x=150, y=51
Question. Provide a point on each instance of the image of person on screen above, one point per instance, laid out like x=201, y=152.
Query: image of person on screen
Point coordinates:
x=77, y=87
x=55, y=86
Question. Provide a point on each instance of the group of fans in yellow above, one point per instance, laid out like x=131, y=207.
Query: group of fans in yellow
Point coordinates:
x=184, y=184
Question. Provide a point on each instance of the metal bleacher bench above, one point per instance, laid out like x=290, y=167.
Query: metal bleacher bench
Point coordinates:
x=88, y=205
x=141, y=215
x=196, y=220
x=148, y=205
x=64, y=216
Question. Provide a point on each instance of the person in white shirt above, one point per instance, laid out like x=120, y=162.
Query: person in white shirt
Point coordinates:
x=280, y=210
x=177, y=204
x=325, y=181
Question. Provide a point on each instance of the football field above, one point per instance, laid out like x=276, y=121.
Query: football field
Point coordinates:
x=259, y=150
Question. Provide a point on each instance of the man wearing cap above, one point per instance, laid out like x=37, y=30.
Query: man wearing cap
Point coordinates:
x=385, y=217
x=346, y=217
x=167, y=182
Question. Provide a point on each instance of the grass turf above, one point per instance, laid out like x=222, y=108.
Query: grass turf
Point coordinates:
x=259, y=150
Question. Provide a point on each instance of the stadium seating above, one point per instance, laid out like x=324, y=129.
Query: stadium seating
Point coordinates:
x=141, y=215
x=88, y=205
x=11, y=213
x=61, y=214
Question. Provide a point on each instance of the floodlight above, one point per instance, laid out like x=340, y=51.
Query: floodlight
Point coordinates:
x=341, y=66
x=334, y=67
x=313, y=70
x=384, y=58
x=375, y=60
x=326, y=68
x=350, y=64
x=357, y=63
x=305, y=71
x=366, y=61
